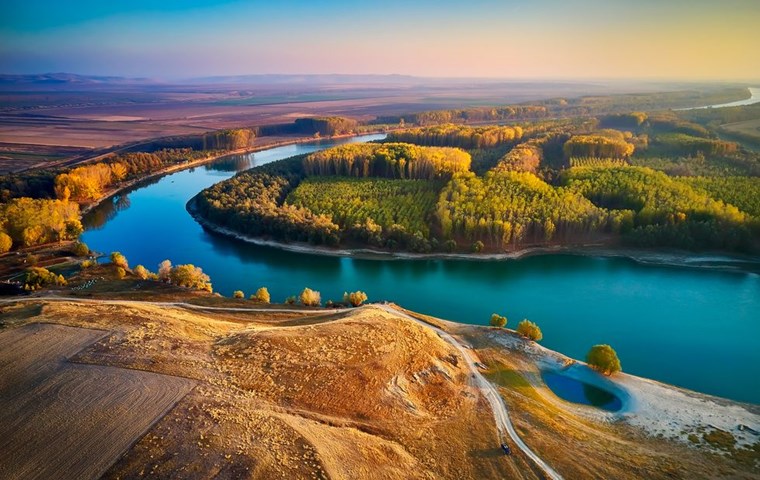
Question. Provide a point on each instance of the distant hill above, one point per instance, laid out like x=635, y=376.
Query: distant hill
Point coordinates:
x=310, y=79
x=66, y=79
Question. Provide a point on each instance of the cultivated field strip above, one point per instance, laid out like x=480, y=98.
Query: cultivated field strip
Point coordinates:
x=66, y=420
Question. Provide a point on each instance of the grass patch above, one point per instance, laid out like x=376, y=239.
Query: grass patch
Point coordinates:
x=351, y=201
x=720, y=439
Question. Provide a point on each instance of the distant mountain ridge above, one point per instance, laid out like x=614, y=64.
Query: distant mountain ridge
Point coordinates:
x=66, y=79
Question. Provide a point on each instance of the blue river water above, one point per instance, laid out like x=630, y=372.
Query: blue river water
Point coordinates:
x=693, y=327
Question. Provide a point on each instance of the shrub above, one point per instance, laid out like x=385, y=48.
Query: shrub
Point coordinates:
x=80, y=249
x=477, y=246
x=141, y=272
x=261, y=295
x=5, y=242
x=355, y=298
x=530, y=330
x=238, y=294
x=603, y=359
x=120, y=273
x=310, y=298
x=119, y=260
x=291, y=300
x=88, y=263
x=38, y=277
x=498, y=320
x=190, y=276
x=164, y=270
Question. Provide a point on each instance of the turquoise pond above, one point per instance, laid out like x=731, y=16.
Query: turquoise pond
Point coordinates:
x=577, y=391
x=693, y=327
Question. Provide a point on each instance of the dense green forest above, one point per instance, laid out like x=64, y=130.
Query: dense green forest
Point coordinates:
x=369, y=209
x=450, y=135
x=622, y=178
x=504, y=209
x=388, y=160
x=665, y=210
x=614, y=169
x=743, y=192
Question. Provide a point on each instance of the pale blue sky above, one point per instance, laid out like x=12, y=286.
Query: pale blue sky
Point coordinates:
x=485, y=38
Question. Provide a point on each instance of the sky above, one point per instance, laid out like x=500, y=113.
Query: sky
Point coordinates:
x=562, y=39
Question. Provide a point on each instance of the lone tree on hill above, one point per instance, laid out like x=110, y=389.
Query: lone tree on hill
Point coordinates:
x=530, y=330
x=498, y=320
x=603, y=359
x=238, y=294
x=355, y=298
x=310, y=298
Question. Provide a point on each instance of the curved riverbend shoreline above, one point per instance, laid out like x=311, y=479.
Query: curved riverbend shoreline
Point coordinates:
x=676, y=258
x=87, y=207
x=660, y=409
x=754, y=97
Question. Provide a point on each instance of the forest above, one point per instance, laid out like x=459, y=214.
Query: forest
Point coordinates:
x=382, y=212
x=623, y=178
x=450, y=135
x=388, y=160
x=616, y=170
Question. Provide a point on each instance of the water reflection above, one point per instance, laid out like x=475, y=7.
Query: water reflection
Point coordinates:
x=106, y=211
x=232, y=163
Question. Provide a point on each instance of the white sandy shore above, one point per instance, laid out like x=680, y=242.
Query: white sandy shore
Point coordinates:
x=665, y=257
x=657, y=408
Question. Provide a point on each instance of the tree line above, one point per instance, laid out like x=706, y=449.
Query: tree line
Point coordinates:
x=462, y=136
x=30, y=222
x=664, y=211
x=387, y=160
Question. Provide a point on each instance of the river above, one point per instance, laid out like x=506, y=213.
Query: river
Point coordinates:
x=754, y=97
x=693, y=327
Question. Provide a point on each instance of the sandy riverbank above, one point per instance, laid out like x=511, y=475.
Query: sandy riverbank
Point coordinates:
x=655, y=257
x=86, y=207
x=659, y=409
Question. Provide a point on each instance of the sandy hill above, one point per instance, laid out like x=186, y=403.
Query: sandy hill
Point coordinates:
x=361, y=393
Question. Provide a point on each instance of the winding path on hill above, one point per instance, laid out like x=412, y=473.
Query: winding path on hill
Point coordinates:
x=489, y=391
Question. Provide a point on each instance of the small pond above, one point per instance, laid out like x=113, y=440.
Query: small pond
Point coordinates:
x=578, y=391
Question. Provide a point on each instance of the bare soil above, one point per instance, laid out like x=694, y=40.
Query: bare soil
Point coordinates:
x=355, y=394
x=65, y=420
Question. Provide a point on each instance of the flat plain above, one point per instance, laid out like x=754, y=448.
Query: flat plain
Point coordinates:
x=40, y=389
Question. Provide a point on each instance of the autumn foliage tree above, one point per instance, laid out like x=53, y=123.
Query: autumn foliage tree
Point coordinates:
x=387, y=160
x=119, y=260
x=261, y=295
x=530, y=330
x=310, y=298
x=30, y=222
x=355, y=298
x=190, y=276
x=5, y=242
x=603, y=359
x=498, y=320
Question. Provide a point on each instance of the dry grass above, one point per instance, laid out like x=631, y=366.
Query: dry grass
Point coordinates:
x=64, y=420
x=573, y=442
x=356, y=394
x=360, y=394
x=747, y=127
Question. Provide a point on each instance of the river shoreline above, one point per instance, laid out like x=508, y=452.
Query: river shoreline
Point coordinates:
x=112, y=192
x=754, y=97
x=675, y=258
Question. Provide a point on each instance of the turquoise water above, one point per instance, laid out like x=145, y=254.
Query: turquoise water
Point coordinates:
x=577, y=391
x=693, y=327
